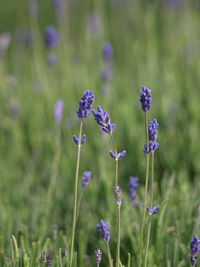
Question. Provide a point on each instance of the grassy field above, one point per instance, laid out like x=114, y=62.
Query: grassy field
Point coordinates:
x=156, y=44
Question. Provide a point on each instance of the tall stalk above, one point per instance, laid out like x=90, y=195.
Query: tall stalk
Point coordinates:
x=151, y=207
x=145, y=196
x=53, y=175
x=75, y=194
x=109, y=255
x=118, y=237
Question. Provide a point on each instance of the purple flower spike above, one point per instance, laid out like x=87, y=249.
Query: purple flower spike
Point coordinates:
x=121, y=154
x=103, y=119
x=98, y=254
x=83, y=139
x=107, y=52
x=85, y=104
x=51, y=37
x=52, y=60
x=112, y=154
x=145, y=98
x=105, y=74
x=58, y=109
x=194, y=249
x=103, y=228
x=153, y=145
x=85, y=179
x=75, y=139
x=154, y=210
x=133, y=185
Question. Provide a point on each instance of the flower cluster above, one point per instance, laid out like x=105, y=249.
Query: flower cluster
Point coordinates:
x=58, y=109
x=51, y=37
x=118, y=156
x=85, y=104
x=45, y=258
x=103, y=228
x=145, y=98
x=117, y=194
x=194, y=249
x=153, y=145
x=133, y=185
x=85, y=179
x=83, y=139
x=98, y=254
x=103, y=119
x=154, y=210
x=107, y=52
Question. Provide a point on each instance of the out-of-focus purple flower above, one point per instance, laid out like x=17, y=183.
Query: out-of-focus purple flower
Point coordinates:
x=153, y=145
x=103, y=228
x=92, y=23
x=117, y=194
x=145, y=98
x=98, y=255
x=83, y=139
x=107, y=52
x=58, y=5
x=33, y=8
x=52, y=60
x=174, y=4
x=58, y=109
x=14, y=108
x=85, y=179
x=23, y=36
x=154, y=210
x=5, y=39
x=105, y=74
x=51, y=37
x=118, y=156
x=103, y=119
x=194, y=249
x=133, y=185
x=85, y=104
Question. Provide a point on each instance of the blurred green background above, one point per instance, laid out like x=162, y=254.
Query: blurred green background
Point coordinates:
x=156, y=44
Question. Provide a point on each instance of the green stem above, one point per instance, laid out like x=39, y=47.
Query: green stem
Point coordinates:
x=151, y=207
x=116, y=172
x=53, y=176
x=118, y=237
x=75, y=194
x=145, y=196
x=79, y=204
x=109, y=255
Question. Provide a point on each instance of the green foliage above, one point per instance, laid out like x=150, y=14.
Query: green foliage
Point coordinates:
x=153, y=45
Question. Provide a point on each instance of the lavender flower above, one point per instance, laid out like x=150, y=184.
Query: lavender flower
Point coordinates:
x=118, y=156
x=194, y=249
x=117, y=194
x=83, y=139
x=103, y=228
x=14, y=109
x=98, y=254
x=154, y=210
x=58, y=109
x=52, y=60
x=85, y=179
x=85, y=104
x=153, y=145
x=103, y=119
x=145, y=98
x=58, y=5
x=107, y=52
x=51, y=37
x=133, y=185
x=105, y=74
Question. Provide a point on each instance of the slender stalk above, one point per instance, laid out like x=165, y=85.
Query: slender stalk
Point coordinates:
x=118, y=237
x=75, y=194
x=53, y=176
x=145, y=196
x=79, y=204
x=109, y=255
x=116, y=172
x=97, y=264
x=151, y=207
